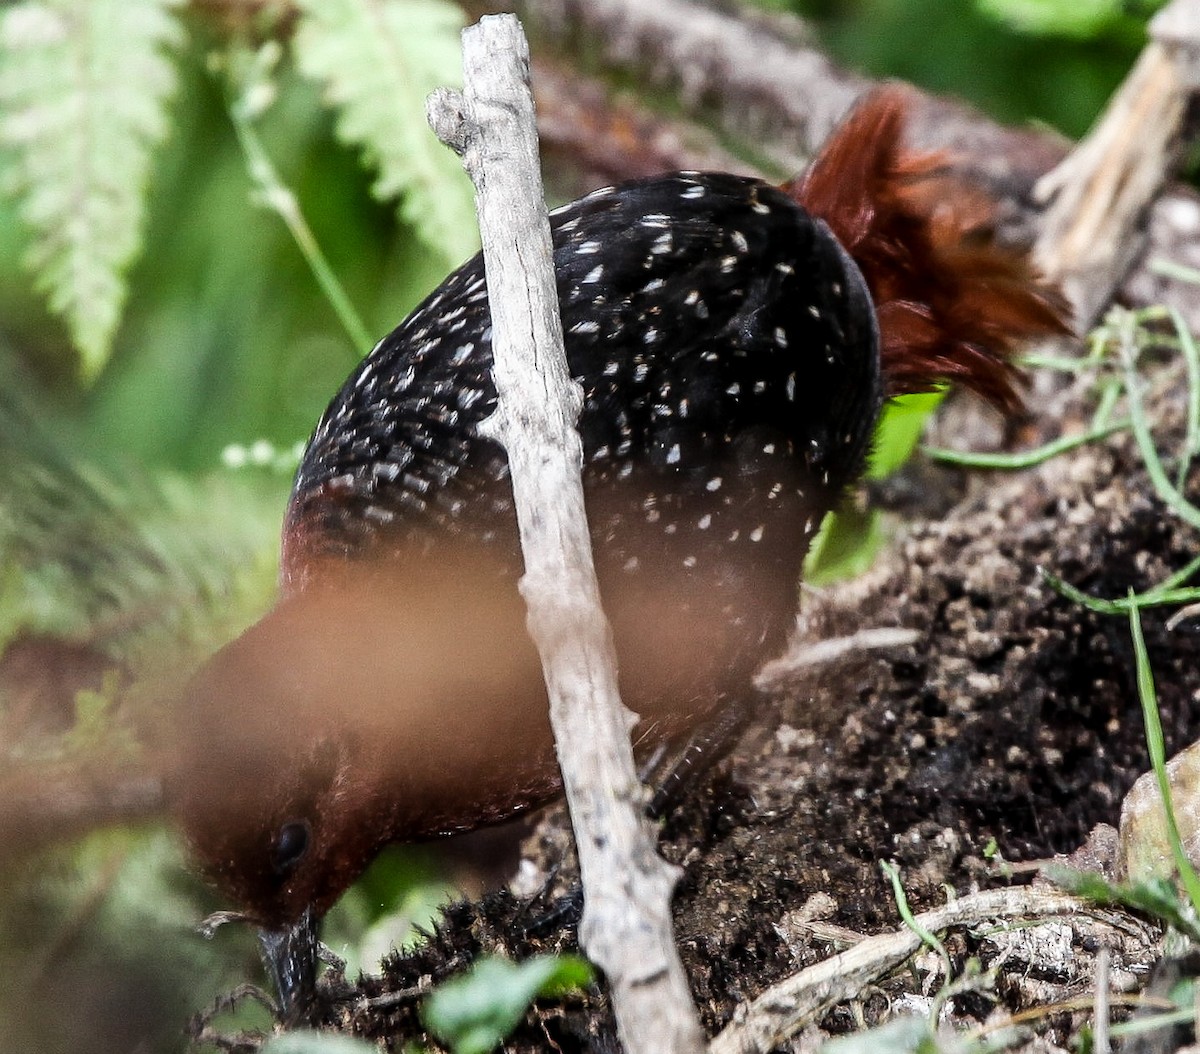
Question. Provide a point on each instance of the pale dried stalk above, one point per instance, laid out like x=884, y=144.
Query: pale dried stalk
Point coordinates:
x=760, y=85
x=800, y=657
x=626, y=927
x=1093, y=229
x=784, y=1008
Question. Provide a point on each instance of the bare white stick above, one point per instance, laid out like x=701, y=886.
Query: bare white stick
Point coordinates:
x=1092, y=230
x=800, y=657
x=1100, y=1022
x=626, y=927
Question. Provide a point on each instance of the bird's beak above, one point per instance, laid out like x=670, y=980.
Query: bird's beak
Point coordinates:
x=290, y=959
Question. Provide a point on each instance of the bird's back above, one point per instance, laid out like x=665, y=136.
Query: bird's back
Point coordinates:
x=727, y=353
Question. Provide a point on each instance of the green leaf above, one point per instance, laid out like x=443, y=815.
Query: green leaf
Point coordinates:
x=377, y=60
x=84, y=86
x=899, y=430
x=475, y=1012
x=902, y=1035
x=845, y=546
x=309, y=1042
x=1082, y=19
x=850, y=538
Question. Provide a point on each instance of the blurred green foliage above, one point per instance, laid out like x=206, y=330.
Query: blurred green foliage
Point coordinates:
x=104, y=956
x=474, y=1012
x=226, y=337
x=69, y=72
x=1082, y=19
x=306, y=1042
x=1054, y=61
x=123, y=526
x=398, y=897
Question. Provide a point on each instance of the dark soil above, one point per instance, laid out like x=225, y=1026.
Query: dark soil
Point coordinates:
x=1013, y=718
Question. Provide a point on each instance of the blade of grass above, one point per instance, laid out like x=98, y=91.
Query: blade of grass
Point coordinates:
x=1165, y=489
x=1159, y=897
x=1151, y=1023
x=1191, y=358
x=1170, y=269
x=1055, y=362
x=1166, y=592
x=1098, y=342
x=1110, y=392
x=1119, y=607
x=1177, y=579
x=1154, y=743
x=1025, y=458
x=930, y=940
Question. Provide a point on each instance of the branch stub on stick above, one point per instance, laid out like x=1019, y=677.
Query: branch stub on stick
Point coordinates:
x=626, y=927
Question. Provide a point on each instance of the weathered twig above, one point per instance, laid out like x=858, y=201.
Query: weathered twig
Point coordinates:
x=820, y=653
x=784, y=1008
x=590, y=136
x=1093, y=229
x=1100, y=1039
x=755, y=81
x=626, y=926
x=763, y=84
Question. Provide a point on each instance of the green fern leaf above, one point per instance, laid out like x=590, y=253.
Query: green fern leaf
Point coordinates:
x=83, y=92
x=377, y=60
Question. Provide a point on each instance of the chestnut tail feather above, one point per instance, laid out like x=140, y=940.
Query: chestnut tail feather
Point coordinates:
x=953, y=305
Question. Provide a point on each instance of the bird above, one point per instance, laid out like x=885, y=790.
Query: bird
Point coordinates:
x=734, y=342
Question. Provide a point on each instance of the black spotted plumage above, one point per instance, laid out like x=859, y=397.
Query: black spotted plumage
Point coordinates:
x=728, y=354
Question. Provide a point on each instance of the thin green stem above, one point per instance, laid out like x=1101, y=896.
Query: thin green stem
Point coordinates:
x=1110, y=392
x=1170, y=269
x=1025, y=458
x=1152, y=1022
x=929, y=939
x=1164, y=593
x=1173, y=581
x=1154, y=743
x=1153, y=313
x=1191, y=358
x=1165, y=489
x=278, y=197
x=1055, y=362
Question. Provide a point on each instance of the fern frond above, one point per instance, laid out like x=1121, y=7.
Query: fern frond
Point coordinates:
x=83, y=91
x=377, y=60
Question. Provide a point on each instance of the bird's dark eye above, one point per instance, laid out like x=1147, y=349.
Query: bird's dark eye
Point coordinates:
x=290, y=845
